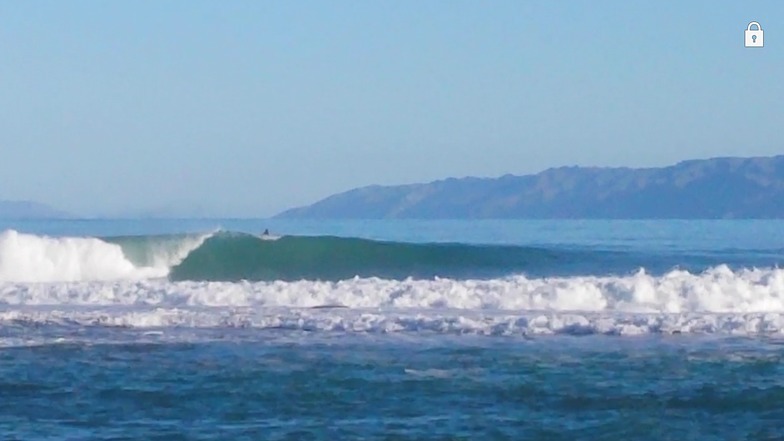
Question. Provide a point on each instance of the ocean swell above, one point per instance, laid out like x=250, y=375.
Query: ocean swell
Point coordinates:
x=229, y=256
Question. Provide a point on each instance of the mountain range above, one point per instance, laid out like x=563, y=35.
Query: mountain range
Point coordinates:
x=718, y=188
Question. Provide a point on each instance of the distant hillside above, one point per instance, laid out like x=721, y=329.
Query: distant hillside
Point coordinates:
x=709, y=189
x=29, y=210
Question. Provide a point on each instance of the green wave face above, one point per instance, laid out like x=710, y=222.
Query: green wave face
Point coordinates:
x=233, y=257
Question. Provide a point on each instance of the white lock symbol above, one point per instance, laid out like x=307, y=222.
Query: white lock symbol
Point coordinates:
x=754, y=38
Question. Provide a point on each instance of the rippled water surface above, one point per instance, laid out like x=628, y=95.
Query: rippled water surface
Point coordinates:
x=248, y=384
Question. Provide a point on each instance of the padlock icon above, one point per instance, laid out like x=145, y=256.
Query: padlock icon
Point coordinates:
x=754, y=38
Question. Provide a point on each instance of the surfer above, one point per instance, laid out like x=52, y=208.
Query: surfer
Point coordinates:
x=266, y=232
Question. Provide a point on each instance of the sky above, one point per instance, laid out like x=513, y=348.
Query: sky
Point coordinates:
x=246, y=108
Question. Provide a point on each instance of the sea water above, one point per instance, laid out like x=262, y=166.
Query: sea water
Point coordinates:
x=204, y=329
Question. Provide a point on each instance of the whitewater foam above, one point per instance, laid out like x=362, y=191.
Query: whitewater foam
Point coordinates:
x=32, y=258
x=719, y=289
x=401, y=321
x=717, y=300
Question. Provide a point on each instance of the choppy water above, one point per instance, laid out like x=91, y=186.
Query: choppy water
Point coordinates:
x=422, y=330
x=241, y=384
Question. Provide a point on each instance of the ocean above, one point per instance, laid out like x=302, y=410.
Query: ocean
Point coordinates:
x=391, y=330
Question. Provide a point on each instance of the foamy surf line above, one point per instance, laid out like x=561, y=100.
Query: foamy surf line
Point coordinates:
x=719, y=300
x=394, y=322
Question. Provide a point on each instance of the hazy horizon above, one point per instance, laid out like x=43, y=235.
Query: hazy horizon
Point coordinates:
x=246, y=109
x=197, y=213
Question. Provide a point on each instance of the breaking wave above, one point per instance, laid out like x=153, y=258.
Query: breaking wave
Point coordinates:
x=232, y=257
x=228, y=256
x=32, y=258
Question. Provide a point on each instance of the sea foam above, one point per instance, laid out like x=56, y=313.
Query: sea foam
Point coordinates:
x=718, y=300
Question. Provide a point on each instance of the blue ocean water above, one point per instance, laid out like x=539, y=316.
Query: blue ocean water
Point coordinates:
x=448, y=330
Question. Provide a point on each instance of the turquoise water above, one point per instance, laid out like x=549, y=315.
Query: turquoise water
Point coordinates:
x=584, y=330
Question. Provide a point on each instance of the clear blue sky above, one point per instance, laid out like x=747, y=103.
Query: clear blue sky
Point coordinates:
x=245, y=108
